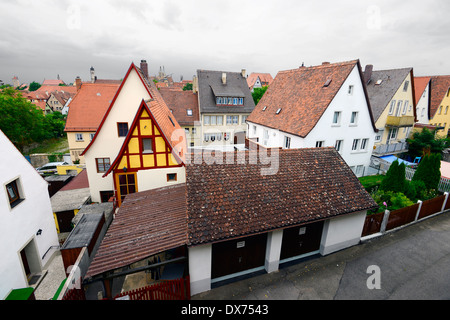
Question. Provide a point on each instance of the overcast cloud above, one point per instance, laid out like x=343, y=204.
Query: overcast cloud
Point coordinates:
x=45, y=38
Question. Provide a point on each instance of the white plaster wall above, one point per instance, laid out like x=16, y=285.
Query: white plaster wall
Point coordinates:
x=273, y=250
x=328, y=132
x=157, y=178
x=422, y=107
x=200, y=261
x=342, y=232
x=18, y=226
x=107, y=143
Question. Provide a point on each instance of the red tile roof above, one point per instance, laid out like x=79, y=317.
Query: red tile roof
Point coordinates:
x=147, y=223
x=302, y=96
x=80, y=181
x=179, y=102
x=234, y=200
x=263, y=77
x=89, y=105
x=439, y=88
x=420, y=83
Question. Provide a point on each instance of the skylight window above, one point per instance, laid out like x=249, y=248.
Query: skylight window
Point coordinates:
x=379, y=82
x=327, y=83
x=264, y=109
x=278, y=111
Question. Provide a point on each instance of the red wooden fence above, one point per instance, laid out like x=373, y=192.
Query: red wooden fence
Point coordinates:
x=404, y=216
x=74, y=294
x=178, y=289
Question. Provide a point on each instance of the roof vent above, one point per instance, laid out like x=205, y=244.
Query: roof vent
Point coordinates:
x=327, y=83
x=264, y=109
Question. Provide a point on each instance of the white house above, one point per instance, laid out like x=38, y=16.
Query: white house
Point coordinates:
x=27, y=228
x=138, y=132
x=318, y=106
x=422, y=92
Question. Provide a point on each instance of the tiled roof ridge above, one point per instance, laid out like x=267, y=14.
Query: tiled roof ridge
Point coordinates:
x=321, y=66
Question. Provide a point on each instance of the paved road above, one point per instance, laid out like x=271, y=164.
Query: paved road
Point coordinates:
x=411, y=263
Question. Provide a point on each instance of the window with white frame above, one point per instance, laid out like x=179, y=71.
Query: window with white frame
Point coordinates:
x=354, y=118
x=79, y=137
x=14, y=192
x=392, y=107
x=287, y=142
x=338, y=145
x=320, y=144
x=337, y=118
x=350, y=89
x=243, y=118
x=399, y=108
x=355, y=144
x=189, y=112
x=232, y=120
x=405, y=86
x=91, y=135
x=364, y=144
x=266, y=137
x=405, y=106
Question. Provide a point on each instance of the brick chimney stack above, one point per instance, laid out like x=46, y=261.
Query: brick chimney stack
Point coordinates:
x=368, y=73
x=144, y=68
x=78, y=83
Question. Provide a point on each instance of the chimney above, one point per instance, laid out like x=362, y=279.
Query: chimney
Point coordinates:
x=224, y=78
x=195, y=84
x=243, y=73
x=144, y=68
x=78, y=83
x=368, y=73
x=325, y=63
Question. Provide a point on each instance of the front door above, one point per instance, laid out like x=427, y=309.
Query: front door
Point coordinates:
x=126, y=183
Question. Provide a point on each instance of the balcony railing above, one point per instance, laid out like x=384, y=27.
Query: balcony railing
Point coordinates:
x=393, y=148
x=403, y=121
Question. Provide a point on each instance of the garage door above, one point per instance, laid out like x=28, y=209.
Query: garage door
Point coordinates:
x=301, y=239
x=238, y=255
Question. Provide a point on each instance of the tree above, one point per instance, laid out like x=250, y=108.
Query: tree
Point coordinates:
x=429, y=171
x=425, y=142
x=187, y=87
x=34, y=86
x=21, y=121
x=395, y=178
x=258, y=93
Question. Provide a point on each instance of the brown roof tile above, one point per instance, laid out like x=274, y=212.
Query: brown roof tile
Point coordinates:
x=147, y=223
x=302, y=97
x=439, y=87
x=233, y=200
x=179, y=102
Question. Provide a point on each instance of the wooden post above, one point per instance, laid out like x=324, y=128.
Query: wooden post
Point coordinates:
x=107, y=285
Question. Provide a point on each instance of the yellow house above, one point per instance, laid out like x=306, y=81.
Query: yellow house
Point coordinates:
x=86, y=111
x=440, y=105
x=392, y=99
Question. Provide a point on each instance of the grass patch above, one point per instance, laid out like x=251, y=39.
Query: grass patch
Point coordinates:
x=370, y=182
x=54, y=145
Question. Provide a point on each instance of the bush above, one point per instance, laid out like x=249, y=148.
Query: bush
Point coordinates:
x=395, y=178
x=393, y=200
x=429, y=171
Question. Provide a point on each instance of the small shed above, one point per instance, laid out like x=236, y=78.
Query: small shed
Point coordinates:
x=85, y=234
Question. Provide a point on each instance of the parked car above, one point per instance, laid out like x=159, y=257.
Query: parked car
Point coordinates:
x=50, y=167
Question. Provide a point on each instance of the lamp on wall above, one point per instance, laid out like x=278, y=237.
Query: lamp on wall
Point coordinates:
x=124, y=169
x=39, y=232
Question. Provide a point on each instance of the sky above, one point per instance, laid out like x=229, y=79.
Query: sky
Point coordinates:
x=41, y=39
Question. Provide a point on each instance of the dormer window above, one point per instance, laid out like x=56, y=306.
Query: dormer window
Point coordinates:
x=229, y=101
